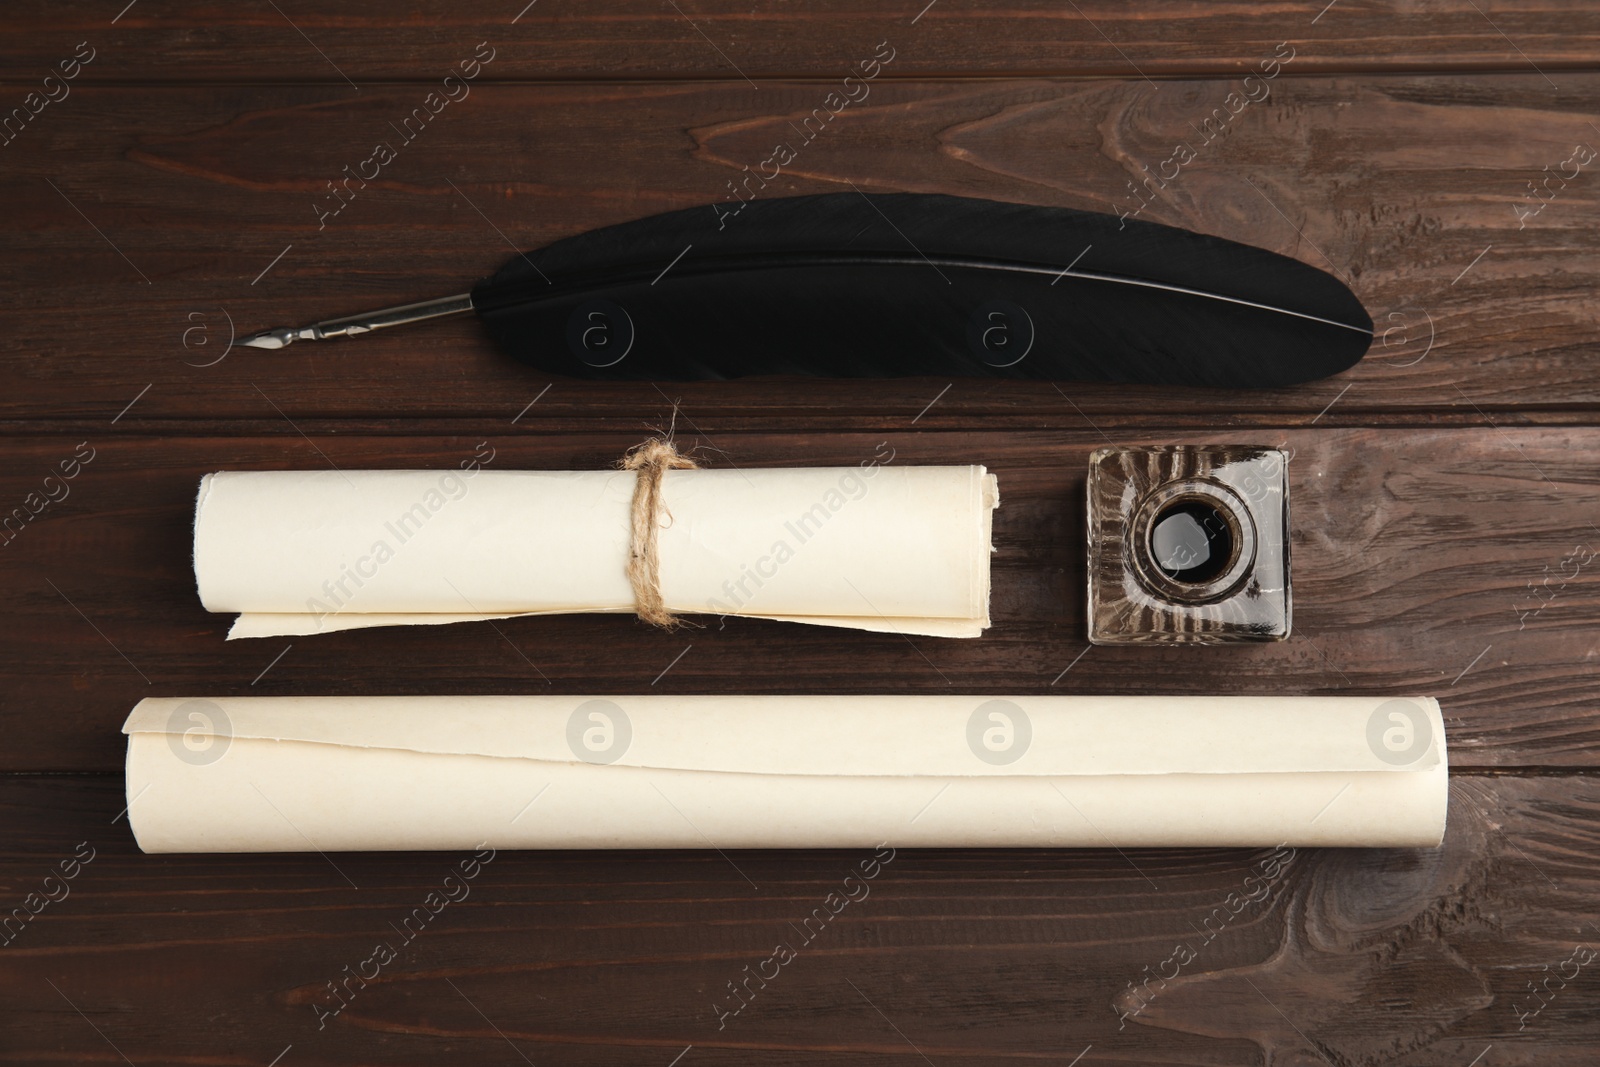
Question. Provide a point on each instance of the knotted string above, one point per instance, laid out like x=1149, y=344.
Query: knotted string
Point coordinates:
x=650, y=461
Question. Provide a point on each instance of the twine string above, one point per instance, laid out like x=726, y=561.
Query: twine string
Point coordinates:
x=650, y=461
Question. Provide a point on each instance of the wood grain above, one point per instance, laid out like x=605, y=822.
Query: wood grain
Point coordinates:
x=1424, y=561
x=1443, y=492
x=640, y=39
x=970, y=957
x=1408, y=187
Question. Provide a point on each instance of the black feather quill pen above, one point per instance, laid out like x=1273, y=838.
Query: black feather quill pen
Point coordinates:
x=853, y=285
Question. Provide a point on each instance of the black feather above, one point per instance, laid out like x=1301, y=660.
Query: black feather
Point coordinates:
x=877, y=286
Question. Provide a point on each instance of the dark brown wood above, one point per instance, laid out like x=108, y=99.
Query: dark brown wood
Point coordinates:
x=1424, y=561
x=1443, y=493
x=953, y=957
x=1409, y=187
x=638, y=39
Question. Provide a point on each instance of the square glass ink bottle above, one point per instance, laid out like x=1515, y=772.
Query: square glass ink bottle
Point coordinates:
x=1188, y=544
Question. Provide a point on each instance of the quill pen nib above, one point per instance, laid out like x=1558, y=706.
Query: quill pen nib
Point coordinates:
x=274, y=338
x=365, y=323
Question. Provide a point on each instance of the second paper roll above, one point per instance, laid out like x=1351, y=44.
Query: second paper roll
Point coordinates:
x=268, y=774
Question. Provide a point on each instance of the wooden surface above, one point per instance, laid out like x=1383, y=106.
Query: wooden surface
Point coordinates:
x=1441, y=492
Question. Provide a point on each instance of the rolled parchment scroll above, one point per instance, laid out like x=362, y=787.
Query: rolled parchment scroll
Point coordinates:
x=269, y=774
x=874, y=546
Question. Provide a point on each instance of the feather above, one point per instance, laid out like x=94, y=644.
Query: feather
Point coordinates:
x=854, y=285
x=851, y=285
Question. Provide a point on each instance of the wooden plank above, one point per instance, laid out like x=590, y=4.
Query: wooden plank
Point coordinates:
x=1444, y=501
x=1409, y=187
x=1452, y=562
x=945, y=956
x=369, y=41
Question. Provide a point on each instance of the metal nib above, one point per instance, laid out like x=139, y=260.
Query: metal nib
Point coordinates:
x=275, y=338
x=354, y=325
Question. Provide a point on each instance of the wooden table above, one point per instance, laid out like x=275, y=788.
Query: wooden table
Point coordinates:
x=176, y=192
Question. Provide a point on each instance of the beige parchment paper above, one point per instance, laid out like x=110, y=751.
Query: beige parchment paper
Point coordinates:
x=891, y=549
x=267, y=774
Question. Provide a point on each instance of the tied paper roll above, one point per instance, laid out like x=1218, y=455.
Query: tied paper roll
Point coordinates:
x=269, y=774
x=873, y=547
